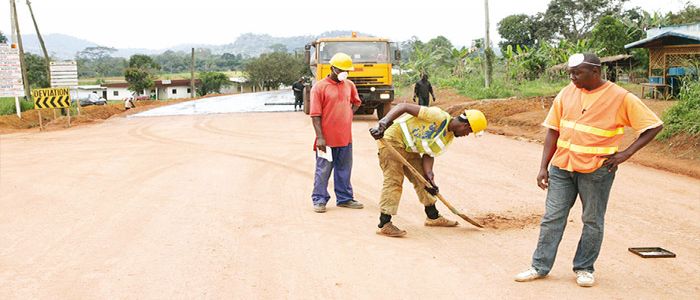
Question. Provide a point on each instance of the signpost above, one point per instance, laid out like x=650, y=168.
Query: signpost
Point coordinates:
x=65, y=74
x=11, y=84
x=52, y=98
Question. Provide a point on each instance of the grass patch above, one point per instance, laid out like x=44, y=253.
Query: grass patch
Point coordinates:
x=473, y=87
x=7, y=106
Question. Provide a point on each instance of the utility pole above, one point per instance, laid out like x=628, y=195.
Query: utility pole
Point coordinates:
x=41, y=42
x=192, y=76
x=487, y=49
x=12, y=20
x=23, y=64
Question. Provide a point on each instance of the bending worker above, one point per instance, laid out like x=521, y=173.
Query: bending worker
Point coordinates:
x=419, y=134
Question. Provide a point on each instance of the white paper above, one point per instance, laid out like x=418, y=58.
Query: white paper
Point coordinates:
x=325, y=155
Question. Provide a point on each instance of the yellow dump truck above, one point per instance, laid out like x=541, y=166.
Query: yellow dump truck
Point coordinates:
x=372, y=59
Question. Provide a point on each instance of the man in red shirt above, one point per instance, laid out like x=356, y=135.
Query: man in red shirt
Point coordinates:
x=333, y=102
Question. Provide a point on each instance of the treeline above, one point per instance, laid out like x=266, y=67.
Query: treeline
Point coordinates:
x=97, y=62
x=532, y=44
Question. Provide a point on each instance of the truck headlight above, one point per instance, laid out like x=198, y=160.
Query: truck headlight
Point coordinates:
x=384, y=96
x=373, y=89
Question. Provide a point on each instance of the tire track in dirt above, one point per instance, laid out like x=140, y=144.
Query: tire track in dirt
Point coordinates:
x=145, y=133
x=207, y=125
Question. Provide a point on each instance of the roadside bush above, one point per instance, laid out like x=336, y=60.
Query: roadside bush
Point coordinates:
x=684, y=117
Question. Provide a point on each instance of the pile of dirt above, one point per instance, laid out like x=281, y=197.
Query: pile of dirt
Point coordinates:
x=53, y=120
x=522, y=119
x=502, y=222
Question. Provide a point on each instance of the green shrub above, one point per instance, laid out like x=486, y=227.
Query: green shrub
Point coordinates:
x=684, y=117
x=7, y=106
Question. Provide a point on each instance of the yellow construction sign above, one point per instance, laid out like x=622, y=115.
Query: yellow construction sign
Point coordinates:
x=51, y=98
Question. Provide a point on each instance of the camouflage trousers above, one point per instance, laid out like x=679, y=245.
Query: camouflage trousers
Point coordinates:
x=394, y=172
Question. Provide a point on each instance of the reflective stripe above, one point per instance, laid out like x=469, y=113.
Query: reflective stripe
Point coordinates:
x=426, y=148
x=592, y=130
x=407, y=136
x=440, y=144
x=586, y=149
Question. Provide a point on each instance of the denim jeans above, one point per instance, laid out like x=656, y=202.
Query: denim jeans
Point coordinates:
x=342, y=163
x=564, y=186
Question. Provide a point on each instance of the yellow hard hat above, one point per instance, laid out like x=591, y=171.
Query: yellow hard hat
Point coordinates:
x=477, y=120
x=342, y=61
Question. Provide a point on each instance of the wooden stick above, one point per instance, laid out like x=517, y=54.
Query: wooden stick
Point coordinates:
x=426, y=183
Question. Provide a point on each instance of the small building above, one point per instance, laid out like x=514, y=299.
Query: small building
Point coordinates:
x=673, y=51
x=238, y=85
x=162, y=90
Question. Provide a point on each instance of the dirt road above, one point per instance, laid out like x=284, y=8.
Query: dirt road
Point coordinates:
x=217, y=206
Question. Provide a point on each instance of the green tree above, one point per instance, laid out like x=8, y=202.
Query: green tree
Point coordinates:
x=212, y=82
x=270, y=70
x=3, y=38
x=689, y=14
x=142, y=62
x=574, y=19
x=98, y=62
x=141, y=73
x=610, y=35
x=278, y=48
x=516, y=30
x=36, y=71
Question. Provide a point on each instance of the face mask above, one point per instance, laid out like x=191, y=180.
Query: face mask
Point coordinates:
x=342, y=75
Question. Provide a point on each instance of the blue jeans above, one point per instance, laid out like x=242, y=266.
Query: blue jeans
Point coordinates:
x=564, y=186
x=342, y=163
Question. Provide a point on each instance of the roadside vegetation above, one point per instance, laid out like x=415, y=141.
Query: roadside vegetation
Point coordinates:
x=532, y=45
x=684, y=117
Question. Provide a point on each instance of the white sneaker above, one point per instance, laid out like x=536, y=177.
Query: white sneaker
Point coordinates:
x=529, y=275
x=584, y=278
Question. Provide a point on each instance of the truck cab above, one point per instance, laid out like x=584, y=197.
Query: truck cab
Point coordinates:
x=373, y=62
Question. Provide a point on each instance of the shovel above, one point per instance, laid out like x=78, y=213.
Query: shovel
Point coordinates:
x=426, y=183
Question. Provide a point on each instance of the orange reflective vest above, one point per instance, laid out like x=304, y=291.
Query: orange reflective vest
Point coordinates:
x=588, y=133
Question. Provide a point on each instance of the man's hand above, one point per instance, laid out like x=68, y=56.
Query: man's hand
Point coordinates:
x=543, y=179
x=434, y=190
x=378, y=132
x=612, y=160
x=321, y=144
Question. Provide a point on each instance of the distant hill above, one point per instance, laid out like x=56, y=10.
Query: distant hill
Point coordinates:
x=248, y=44
x=58, y=45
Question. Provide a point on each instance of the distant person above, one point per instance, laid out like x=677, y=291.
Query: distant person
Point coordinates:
x=423, y=90
x=333, y=102
x=298, y=88
x=129, y=102
x=585, y=127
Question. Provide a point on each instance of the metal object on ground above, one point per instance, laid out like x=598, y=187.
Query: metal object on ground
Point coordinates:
x=426, y=183
x=652, y=252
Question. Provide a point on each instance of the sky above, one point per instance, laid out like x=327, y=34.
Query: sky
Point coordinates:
x=159, y=24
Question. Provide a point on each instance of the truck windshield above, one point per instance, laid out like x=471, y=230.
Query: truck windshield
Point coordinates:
x=361, y=52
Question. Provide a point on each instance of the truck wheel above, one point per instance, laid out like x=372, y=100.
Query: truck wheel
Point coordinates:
x=307, y=100
x=384, y=109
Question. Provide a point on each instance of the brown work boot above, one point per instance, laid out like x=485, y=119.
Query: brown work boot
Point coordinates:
x=440, y=222
x=390, y=230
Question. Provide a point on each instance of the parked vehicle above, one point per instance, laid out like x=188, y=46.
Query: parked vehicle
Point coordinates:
x=92, y=99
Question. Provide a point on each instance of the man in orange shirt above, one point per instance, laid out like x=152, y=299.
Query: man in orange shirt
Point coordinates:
x=585, y=127
x=333, y=102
